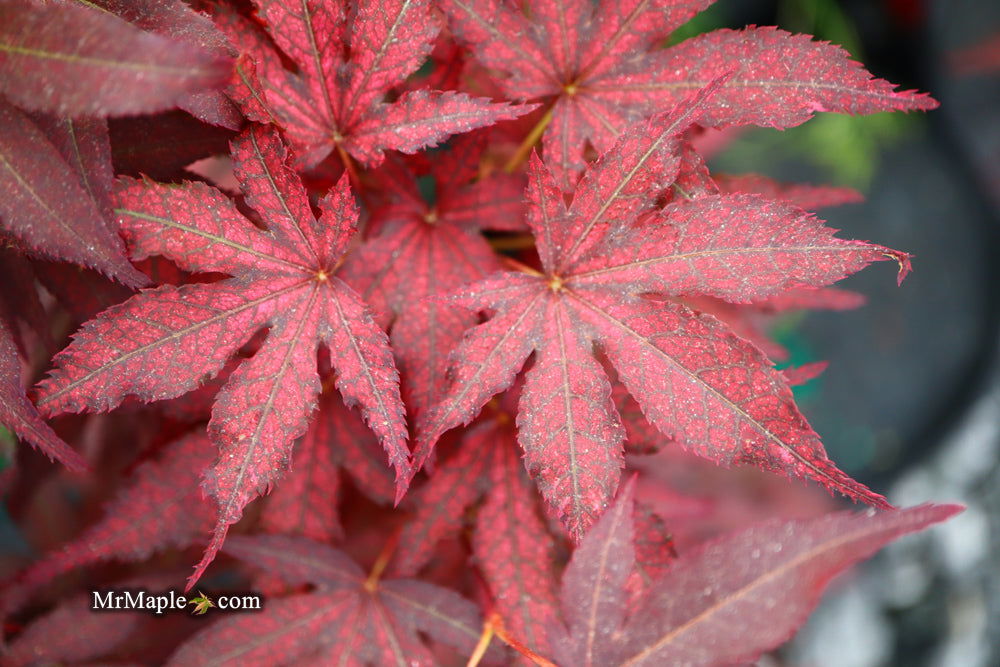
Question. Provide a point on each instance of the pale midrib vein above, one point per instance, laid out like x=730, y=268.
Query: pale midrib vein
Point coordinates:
x=215, y=238
x=567, y=409
x=168, y=339
x=760, y=427
x=430, y=611
x=103, y=62
x=266, y=409
x=746, y=590
x=744, y=84
x=281, y=197
x=709, y=253
x=41, y=202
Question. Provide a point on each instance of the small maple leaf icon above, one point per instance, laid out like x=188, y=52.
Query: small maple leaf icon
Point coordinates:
x=201, y=603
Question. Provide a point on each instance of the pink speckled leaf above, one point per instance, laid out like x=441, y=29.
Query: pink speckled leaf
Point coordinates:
x=695, y=380
x=345, y=69
x=732, y=599
x=74, y=60
x=49, y=207
x=782, y=80
x=515, y=551
x=164, y=342
x=740, y=248
x=809, y=197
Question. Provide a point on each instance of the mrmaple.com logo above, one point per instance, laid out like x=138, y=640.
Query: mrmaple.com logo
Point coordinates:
x=158, y=603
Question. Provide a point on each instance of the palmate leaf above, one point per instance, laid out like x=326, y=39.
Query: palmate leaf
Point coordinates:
x=694, y=380
x=727, y=601
x=600, y=68
x=74, y=59
x=420, y=250
x=347, y=62
x=350, y=619
x=163, y=342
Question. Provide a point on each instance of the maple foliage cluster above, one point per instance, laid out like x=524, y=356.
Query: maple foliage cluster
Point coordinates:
x=440, y=303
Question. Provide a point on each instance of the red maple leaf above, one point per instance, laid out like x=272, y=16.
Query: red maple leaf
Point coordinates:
x=420, y=249
x=161, y=507
x=306, y=502
x=76, y=59
x=694, y=380
x=350, y=618
x=163, y=342
x=599, y=67
x=347, y=62
x=56, y=176
x=725, y=602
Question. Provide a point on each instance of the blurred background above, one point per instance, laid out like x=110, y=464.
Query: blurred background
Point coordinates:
x=911, y=401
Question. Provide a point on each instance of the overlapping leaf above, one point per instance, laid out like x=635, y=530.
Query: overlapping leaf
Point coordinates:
x=161, y=508
x=600, y=68
x=347, y=62
x=306, y=502
x=56, y=191
x=351, y=618
x=694, y=380
x=724, y=603
x=164, y=342
x=74, y=59
x=423, y=249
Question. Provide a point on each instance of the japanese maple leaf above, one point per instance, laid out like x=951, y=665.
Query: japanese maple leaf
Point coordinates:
x=694, y=379
x=725, y=602
x=306, y=502
x=421, y=249
x=163, y=342
x=599, y=67
x=76, y=59
x=55, y=175
x=160, y=508
x=350, y=618
x=347, y=62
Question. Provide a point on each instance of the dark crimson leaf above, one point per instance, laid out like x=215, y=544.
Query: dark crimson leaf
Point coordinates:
x=74, y=60
x=46, y=204
x=162, y=507
x=515, y=551
x=352, y=619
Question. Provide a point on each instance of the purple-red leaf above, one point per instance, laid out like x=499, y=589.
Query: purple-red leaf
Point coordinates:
x=75, y=60
x=48, y=205
x=732, y=599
